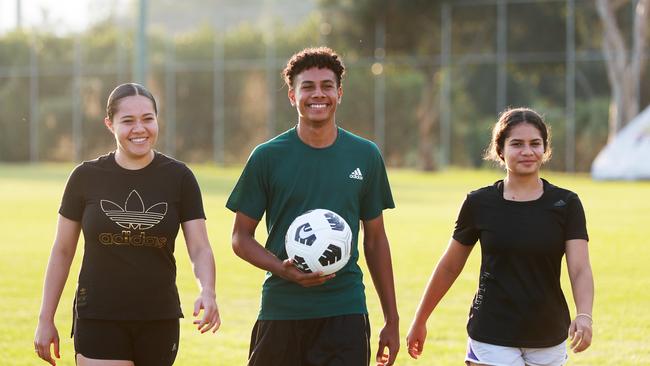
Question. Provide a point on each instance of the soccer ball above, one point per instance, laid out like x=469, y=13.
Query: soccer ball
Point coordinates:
x=319, y=241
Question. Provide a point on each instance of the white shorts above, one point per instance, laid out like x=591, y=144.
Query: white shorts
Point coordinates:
x=493, y=355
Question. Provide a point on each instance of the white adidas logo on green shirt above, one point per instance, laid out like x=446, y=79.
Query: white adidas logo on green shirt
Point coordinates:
x=356, y=174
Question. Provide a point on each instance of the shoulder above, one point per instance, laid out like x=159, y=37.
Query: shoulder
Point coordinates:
x=484, y=192
x=274, y=151
x=358, y=146
x=91, y=166
x=274, y=145
x=480, y=197
x=357, y=141
x=559, y=193
x=171, y=169
x=162, y=160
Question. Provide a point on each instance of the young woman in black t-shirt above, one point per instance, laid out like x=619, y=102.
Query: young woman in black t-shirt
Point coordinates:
x=519, y=315
x=130, y=205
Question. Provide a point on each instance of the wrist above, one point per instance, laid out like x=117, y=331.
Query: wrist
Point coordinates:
x=585, y=316
x=392, y=320
x=417, y=322
x=421, y=317
x=45, y=318
x=208, y=293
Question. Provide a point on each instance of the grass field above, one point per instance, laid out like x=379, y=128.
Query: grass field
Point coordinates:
x=617, y=216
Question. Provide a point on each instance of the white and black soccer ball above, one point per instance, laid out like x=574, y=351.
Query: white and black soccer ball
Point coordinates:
x=319, y=241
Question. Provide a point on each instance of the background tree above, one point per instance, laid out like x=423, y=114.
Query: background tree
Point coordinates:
x=625, y=64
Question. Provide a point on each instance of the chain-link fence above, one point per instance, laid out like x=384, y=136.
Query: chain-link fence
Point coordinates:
x=220, y=91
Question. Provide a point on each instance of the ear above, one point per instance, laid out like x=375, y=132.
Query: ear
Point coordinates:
x=340, y=93
x=109, y=124
x=292, y=97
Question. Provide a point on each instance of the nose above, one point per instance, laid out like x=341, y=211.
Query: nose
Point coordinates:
x=139, y=125
x=318, y=91
x=527, y=150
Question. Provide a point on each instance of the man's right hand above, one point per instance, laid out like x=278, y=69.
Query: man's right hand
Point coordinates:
x=290, y=273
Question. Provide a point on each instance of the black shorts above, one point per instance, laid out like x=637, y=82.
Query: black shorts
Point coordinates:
x=145, y=342
x=334, y=341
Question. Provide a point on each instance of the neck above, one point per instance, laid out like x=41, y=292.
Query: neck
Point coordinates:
x=318, y=136
x=133, y=163
x=522, y=181
x=522, y=188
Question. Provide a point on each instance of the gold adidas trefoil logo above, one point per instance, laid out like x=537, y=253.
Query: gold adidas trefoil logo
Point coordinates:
x=133, y=215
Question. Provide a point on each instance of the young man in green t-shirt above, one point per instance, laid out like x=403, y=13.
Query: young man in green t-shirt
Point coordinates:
x=306, y=318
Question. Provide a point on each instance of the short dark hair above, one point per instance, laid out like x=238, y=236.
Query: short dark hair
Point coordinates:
x=127, y=90
x=507, y=120
x=320, y=57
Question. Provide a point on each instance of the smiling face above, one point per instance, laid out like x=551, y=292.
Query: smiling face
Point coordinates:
x=315, y=94
x=135, y=127
x=523, y=150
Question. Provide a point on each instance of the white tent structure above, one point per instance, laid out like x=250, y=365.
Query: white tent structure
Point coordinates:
x=627, y=157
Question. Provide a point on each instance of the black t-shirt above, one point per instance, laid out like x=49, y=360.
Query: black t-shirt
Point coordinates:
x=130, y=219
x=519, y=301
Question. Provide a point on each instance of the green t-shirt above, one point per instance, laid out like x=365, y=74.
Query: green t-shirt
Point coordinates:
x=285, y=177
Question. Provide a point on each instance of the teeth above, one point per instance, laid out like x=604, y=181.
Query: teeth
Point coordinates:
x=318, y=105
x=138, y=140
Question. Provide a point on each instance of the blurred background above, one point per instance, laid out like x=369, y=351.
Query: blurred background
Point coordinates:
x=425, y=79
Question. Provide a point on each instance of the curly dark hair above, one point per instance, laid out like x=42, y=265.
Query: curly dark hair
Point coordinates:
x=320, y=57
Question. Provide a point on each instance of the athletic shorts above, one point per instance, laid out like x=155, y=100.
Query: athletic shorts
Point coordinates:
x=493, y=355
x=333, y=341
x=146, y=343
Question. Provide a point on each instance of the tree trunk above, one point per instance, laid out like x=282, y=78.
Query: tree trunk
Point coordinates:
x=624, y=67
x=428, y=116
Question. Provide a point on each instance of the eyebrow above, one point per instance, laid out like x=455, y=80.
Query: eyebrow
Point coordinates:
x=535, y=139
x=131, y=116
x=309, y=82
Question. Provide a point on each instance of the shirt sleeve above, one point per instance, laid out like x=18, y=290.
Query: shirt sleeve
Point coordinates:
x=465, y=231
x=250, y=193
x=576, y=224
x=191, y=204
x=73, y=203
x=377, y=195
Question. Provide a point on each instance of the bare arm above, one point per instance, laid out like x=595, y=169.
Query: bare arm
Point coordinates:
x=377, y=252
x=58, y=268
x=200, y=252
x=250, y=250
x=444, y=275
x=582, y=284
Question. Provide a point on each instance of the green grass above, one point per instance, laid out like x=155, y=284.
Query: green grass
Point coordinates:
x=418, y=229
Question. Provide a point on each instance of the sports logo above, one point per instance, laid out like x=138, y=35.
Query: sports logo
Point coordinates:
x=302, y=235
x=300, y=262
x=335, y=222
x=133, y=215
x=356, y=174
x=331, y=255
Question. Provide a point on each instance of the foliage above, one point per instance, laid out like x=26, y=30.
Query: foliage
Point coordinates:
x=254, y=96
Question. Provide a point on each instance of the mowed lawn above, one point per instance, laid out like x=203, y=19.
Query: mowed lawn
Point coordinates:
x=618, y=218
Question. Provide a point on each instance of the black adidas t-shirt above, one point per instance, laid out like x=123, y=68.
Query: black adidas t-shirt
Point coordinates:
x=519, y=301
x=130, y=219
